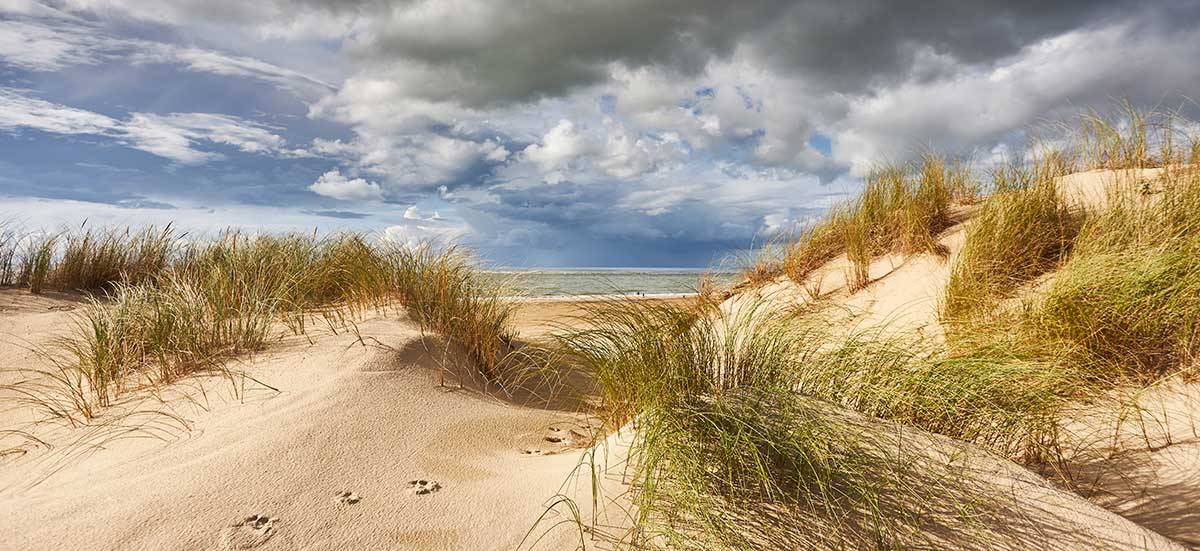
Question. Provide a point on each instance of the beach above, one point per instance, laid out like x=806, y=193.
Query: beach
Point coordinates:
x=308, y=422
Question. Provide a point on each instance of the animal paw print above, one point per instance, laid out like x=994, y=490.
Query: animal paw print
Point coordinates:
x=346, y=498
x=250, y=532
x=423, y=487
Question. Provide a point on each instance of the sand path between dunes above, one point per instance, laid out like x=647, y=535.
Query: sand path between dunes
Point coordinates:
x=271, y=470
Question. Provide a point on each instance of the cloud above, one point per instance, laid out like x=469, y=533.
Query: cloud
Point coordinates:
x=978, y=106
x=54, y=43
x=18, y=111
x=144, y=204
x=333, y=184
x=489, y=52
x=415, y=158
x=580, y=132
x=417, y=229
x=342, y=214
x=38, y=47
x=560, y=146
x=208, y=61
x=617, y=151
x=414, y=213
x=174, y=136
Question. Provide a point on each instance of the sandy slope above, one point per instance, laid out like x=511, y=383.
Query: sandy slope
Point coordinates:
x=1148, y=475
x=346, y=417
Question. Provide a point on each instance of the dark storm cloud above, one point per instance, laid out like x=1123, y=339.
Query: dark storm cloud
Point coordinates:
x=499, y=51
x=516, y=51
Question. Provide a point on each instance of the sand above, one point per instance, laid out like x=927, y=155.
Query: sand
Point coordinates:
x=540, y=316
x=272, y=469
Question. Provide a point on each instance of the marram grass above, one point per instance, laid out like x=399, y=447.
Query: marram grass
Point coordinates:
x=902, y=209
x=1124, y=306
x=1023, y=230
x=166, y=309
x=737, y=445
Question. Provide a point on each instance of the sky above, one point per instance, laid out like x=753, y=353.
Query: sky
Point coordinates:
x=539, y=132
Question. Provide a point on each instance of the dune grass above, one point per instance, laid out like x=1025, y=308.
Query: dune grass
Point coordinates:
x=9, y=256
x=1126, y=137
x=730, y=450
x=1126, y=304
x=1120, y=304
x=1023, y=230
x=727, y=454
x=162, y=309
x=993, y=397
x=1120, y=308
x=93, y=259
x=902, y=209
x=37, y=259
x=443, y=290
x=1123, y=299
x=740, y=439
x=814, y=246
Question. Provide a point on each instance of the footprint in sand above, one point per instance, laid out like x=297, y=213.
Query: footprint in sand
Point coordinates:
x=423, y=487
x=557, y=436
x=346, y=498
x=565, y=437
x=250, y=532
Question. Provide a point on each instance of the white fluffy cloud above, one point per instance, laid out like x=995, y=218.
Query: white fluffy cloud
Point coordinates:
x=615, y=149
x=415, y=213
x=334, y=184
x=416, y=232
x=560, y=146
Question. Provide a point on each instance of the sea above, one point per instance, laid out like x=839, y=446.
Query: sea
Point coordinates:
x=566, y=282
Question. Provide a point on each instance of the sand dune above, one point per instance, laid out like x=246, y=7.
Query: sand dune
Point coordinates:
x=272, y=469
x=1147, y=474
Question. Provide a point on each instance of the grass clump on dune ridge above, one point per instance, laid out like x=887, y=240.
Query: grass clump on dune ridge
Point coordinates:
x=1127, y=137
x=1127, y=301
x=92, y=260
x=1124, y=300
x=728, y=455
x=9, y=256
x=1023, y=230
x=83, y=260
x=171, y=309
x=902, y=209
x=36, y=261
x=443, y=290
